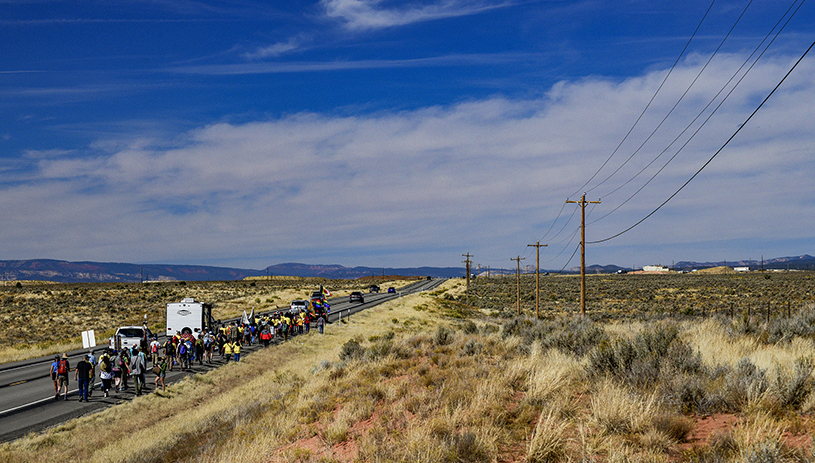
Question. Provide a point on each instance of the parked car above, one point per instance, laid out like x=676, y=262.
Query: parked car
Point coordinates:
x=391, y=290
x=298, y=306
x=356, y=296
x=128, y=336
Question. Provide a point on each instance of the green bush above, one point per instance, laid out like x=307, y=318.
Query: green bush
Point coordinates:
x=351, y=350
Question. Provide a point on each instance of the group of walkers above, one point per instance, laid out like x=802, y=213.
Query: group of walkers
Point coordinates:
x=183, y=349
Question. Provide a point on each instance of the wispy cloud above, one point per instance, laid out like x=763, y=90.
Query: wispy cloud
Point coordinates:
x=371, y=14
x=488, y=174
x=275, y=50
x=321, y=66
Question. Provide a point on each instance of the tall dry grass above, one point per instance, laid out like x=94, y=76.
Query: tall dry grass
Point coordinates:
x=405, y=382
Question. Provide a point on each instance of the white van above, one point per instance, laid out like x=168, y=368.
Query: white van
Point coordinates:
x=188, y=316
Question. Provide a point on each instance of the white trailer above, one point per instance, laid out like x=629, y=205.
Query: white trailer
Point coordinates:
x=188, y=316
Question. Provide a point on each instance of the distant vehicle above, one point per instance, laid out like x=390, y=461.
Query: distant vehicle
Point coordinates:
x=622, y=272
x=128, y=336
x=356, y=296
x=373, y=289
x=391, y=290
x=188, y=317
x=319, y=305
x=298, y=306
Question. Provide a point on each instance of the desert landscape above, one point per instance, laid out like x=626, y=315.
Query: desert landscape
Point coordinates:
x=675, y=375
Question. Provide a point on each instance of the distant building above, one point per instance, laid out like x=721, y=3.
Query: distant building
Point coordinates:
x=655, y=268
x=741, y=269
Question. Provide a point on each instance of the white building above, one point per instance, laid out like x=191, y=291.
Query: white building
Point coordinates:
x=655, y=268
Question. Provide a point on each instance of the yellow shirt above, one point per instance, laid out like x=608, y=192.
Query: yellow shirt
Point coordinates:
x=228, y=348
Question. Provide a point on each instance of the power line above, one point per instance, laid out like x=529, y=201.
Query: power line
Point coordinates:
x=687, y=44
x=681, y=98
x=741, y=126
x=693, y=135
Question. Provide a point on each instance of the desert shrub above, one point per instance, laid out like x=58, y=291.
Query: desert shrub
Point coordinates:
x=469, y=327
x=577, y=335
x=765, y=451
x=381, y=348
x=443, y=336
x=467, y=447
x=639, y=361
x=744, y=384
x=687, y=393
x=351, y=350
x=791, y=388
x=801, y=324
x=472, y=348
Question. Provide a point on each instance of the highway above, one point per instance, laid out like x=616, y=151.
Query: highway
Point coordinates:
x=27, y=393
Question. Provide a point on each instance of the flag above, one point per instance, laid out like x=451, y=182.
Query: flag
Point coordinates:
x=252, y=316
x=326, y=292
x=245, y=319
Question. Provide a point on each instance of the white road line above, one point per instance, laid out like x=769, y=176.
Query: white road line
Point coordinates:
x=20, y=407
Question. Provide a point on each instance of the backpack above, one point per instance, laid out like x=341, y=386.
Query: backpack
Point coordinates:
x=182, y=348
x=154, y=348
x=104, y=365
x=62, y=368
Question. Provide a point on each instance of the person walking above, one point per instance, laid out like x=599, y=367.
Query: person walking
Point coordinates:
x=83, y=375
x=162, y=373
x=154, y=348
x=199, y=349
x=169, y=353
x=236, y=349
x=137, y=370
x=54, y=376
x=63, y=368
x=92, y=359
x=320, y=324
x=228, y=346
x=105, y=372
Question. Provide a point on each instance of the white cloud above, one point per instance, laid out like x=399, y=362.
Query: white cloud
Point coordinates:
x=275, y=50
x=483, y=176
x=371, y=14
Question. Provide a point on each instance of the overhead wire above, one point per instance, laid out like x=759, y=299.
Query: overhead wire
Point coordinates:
x=701, y=112
x=634, y=125
x=653, y=97
x=678, y=101
x=741, y=126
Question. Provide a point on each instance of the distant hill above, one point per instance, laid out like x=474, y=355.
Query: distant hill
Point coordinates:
x=804, y=262
x=95, y=272
x=340, y=272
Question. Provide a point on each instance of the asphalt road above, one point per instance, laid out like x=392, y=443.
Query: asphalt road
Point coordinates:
x=27, y=401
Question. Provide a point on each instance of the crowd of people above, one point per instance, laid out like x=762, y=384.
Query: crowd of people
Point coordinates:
x=117, y=368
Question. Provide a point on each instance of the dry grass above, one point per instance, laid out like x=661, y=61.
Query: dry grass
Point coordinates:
x=42, y=319
x=411, y=381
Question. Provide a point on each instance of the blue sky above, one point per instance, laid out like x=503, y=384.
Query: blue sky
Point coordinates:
x=403, y=133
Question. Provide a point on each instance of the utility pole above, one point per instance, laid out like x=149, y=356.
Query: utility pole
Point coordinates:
x=538, y=245
x=468, y=262
x=583, y=204
x=518, y=274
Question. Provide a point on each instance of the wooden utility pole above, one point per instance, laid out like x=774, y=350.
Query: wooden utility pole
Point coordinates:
x=468, y=262
x=538, y=245
x=582, y=204
x=518, y=273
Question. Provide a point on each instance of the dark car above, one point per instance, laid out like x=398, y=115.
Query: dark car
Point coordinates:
x=356, y=296
x=373, y=289
x=391, y=290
